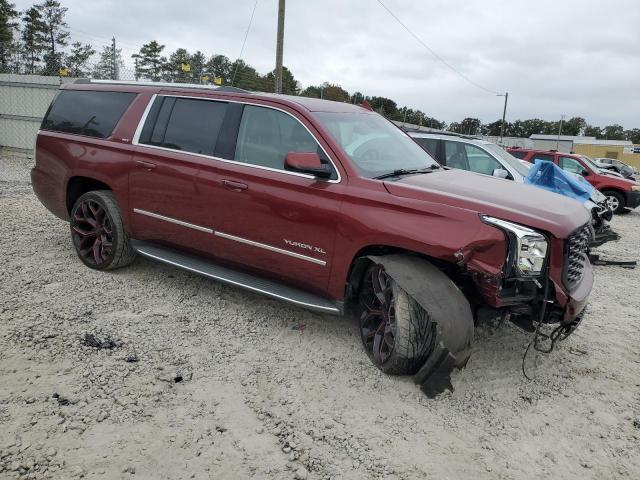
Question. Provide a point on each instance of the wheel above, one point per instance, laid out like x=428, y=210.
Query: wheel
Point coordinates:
x=615, y=200
x=396, y=332
x=97, y=232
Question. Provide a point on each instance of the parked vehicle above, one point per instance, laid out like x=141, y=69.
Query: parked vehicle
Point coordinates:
x=476, y=155
x=622, y=194
x=627, y=171
x=322, y=204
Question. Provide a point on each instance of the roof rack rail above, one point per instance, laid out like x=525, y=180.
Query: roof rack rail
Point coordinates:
x=443, y=132
x=162, y=84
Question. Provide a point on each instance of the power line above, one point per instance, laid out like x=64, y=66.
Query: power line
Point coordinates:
x=421, y=42
x=244, y=42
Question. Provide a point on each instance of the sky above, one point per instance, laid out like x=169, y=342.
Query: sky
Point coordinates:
x=569, y=57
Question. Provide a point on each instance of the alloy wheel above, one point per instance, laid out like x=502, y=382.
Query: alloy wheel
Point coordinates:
x=613, y=202
x=378, y=318
x=92, y=232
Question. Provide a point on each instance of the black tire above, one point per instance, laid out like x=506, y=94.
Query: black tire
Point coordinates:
x=616, y=201
x=97, y=232
x=408, y=327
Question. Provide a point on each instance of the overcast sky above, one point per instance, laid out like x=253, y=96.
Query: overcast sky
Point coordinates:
x=572, y=57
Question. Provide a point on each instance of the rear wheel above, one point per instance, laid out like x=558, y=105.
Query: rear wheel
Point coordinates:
x=97, y=232
x=397, y=333
x=616, y=201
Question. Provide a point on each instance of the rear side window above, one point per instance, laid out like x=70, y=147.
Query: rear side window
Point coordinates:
x=90, y=113
x=518, y=154
x=186, y=124
x=542, y=156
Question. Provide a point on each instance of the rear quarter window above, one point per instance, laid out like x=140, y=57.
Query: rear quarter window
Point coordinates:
x=90, y=113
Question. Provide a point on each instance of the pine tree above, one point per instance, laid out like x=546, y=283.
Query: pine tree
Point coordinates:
x=7, y=27
x=76, y=62
x=33, y=39
x=104, y=70
x=150, y=63
x=56, y=31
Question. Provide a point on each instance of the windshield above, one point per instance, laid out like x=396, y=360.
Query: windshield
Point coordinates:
x=375, y=145
x=591, y=163
x=508, y=158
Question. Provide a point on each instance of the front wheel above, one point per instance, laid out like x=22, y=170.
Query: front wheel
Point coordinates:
x=97, y=232
x=616, y=201
x=396, y=332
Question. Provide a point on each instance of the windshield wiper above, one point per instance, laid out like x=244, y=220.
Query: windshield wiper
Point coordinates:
x=406, y=171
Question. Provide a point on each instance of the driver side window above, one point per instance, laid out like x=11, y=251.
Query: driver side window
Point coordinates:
x=266, y=136
x=571, y=165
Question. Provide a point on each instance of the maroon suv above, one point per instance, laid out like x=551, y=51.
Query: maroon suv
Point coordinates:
x=322, y=204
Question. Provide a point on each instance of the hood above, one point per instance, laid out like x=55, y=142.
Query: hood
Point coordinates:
x=506, y=199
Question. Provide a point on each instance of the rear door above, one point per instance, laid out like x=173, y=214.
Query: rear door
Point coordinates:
x=275, y=221
x=174, y=155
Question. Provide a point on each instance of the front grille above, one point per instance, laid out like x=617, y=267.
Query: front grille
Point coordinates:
x=575, y=257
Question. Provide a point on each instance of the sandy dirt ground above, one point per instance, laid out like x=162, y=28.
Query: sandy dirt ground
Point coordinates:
x=154, y=373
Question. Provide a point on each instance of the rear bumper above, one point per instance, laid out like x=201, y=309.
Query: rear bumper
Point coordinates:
x=50, y=193
x=632, y=199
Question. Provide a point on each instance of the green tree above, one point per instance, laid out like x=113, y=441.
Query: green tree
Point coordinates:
x=384, y=106
x=493, y=129
x=574, y=126
x=246, y=77
x=592, y=131
x=613, y=132
x=290, y=86
x=34, y=41
x=150, y=63
x=633, y=135
x=104, y=69
x=78, y=59
x=173, y=71
x=7, y=27
x=468, y=126
x=219, y=66
x=56, y=32
x=197, y=62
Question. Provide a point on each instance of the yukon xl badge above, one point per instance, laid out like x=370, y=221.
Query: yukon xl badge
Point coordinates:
x=306, y=246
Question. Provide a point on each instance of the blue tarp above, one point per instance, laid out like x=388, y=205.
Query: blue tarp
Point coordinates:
x=548, y=175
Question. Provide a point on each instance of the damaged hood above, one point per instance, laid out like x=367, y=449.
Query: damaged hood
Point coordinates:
x=506, y=199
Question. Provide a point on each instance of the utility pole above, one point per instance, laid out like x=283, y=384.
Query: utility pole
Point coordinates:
x=559, y=132
x=114, y=62
x=504, y=114
x=279, y=46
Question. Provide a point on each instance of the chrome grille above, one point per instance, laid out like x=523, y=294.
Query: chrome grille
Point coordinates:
x=576, y=255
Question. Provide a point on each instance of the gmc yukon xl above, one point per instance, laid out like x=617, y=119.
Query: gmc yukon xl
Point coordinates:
x=321, y=204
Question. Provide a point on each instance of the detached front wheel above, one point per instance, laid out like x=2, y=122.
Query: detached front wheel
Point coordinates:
x=396, y=332
x=97, y=232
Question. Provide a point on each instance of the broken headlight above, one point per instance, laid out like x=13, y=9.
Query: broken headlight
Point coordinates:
x=529, y=248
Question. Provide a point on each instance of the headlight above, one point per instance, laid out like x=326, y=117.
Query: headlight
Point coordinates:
x=635, y=188
x=529, y=247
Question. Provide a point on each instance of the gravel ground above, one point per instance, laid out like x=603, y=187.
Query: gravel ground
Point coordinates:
x=152, y=372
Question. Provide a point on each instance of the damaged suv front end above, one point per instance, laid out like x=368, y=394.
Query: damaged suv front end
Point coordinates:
x=544, y=279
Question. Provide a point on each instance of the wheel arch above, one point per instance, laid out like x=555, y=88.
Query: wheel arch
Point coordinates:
x=79, y=185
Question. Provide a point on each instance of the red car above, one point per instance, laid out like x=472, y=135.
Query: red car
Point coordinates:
x=622, y=194
x=322, y=204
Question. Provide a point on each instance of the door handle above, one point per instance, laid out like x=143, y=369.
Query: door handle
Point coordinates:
x=235, y=186
x=146, y=165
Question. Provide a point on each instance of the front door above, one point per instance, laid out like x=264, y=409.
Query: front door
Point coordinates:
x=275, y=221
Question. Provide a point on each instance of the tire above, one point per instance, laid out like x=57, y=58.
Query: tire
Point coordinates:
x=400, y=340
x=97, y=232
x=616, y=201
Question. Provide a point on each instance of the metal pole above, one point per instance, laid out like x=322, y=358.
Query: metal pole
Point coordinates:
x=114, y=63
x=559, y=132
x=279, y=46
x=504, y=114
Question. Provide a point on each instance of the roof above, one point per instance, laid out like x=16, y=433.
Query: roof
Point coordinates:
x=579, y=139
x=447, y=136
x=310, y=104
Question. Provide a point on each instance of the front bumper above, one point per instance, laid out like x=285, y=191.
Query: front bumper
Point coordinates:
x=576, y=301
x=632, y=199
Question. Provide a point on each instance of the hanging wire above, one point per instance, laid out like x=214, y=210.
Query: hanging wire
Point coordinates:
x=447, y=64
x=244, y=42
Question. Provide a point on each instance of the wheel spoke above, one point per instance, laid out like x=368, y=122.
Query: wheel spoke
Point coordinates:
x=82, y=232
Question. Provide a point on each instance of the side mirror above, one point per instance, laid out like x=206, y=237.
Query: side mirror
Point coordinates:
x=500, y=173
x=307, y=162
x=584, y=173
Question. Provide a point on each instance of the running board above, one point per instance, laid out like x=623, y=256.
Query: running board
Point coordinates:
x=250, y=282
